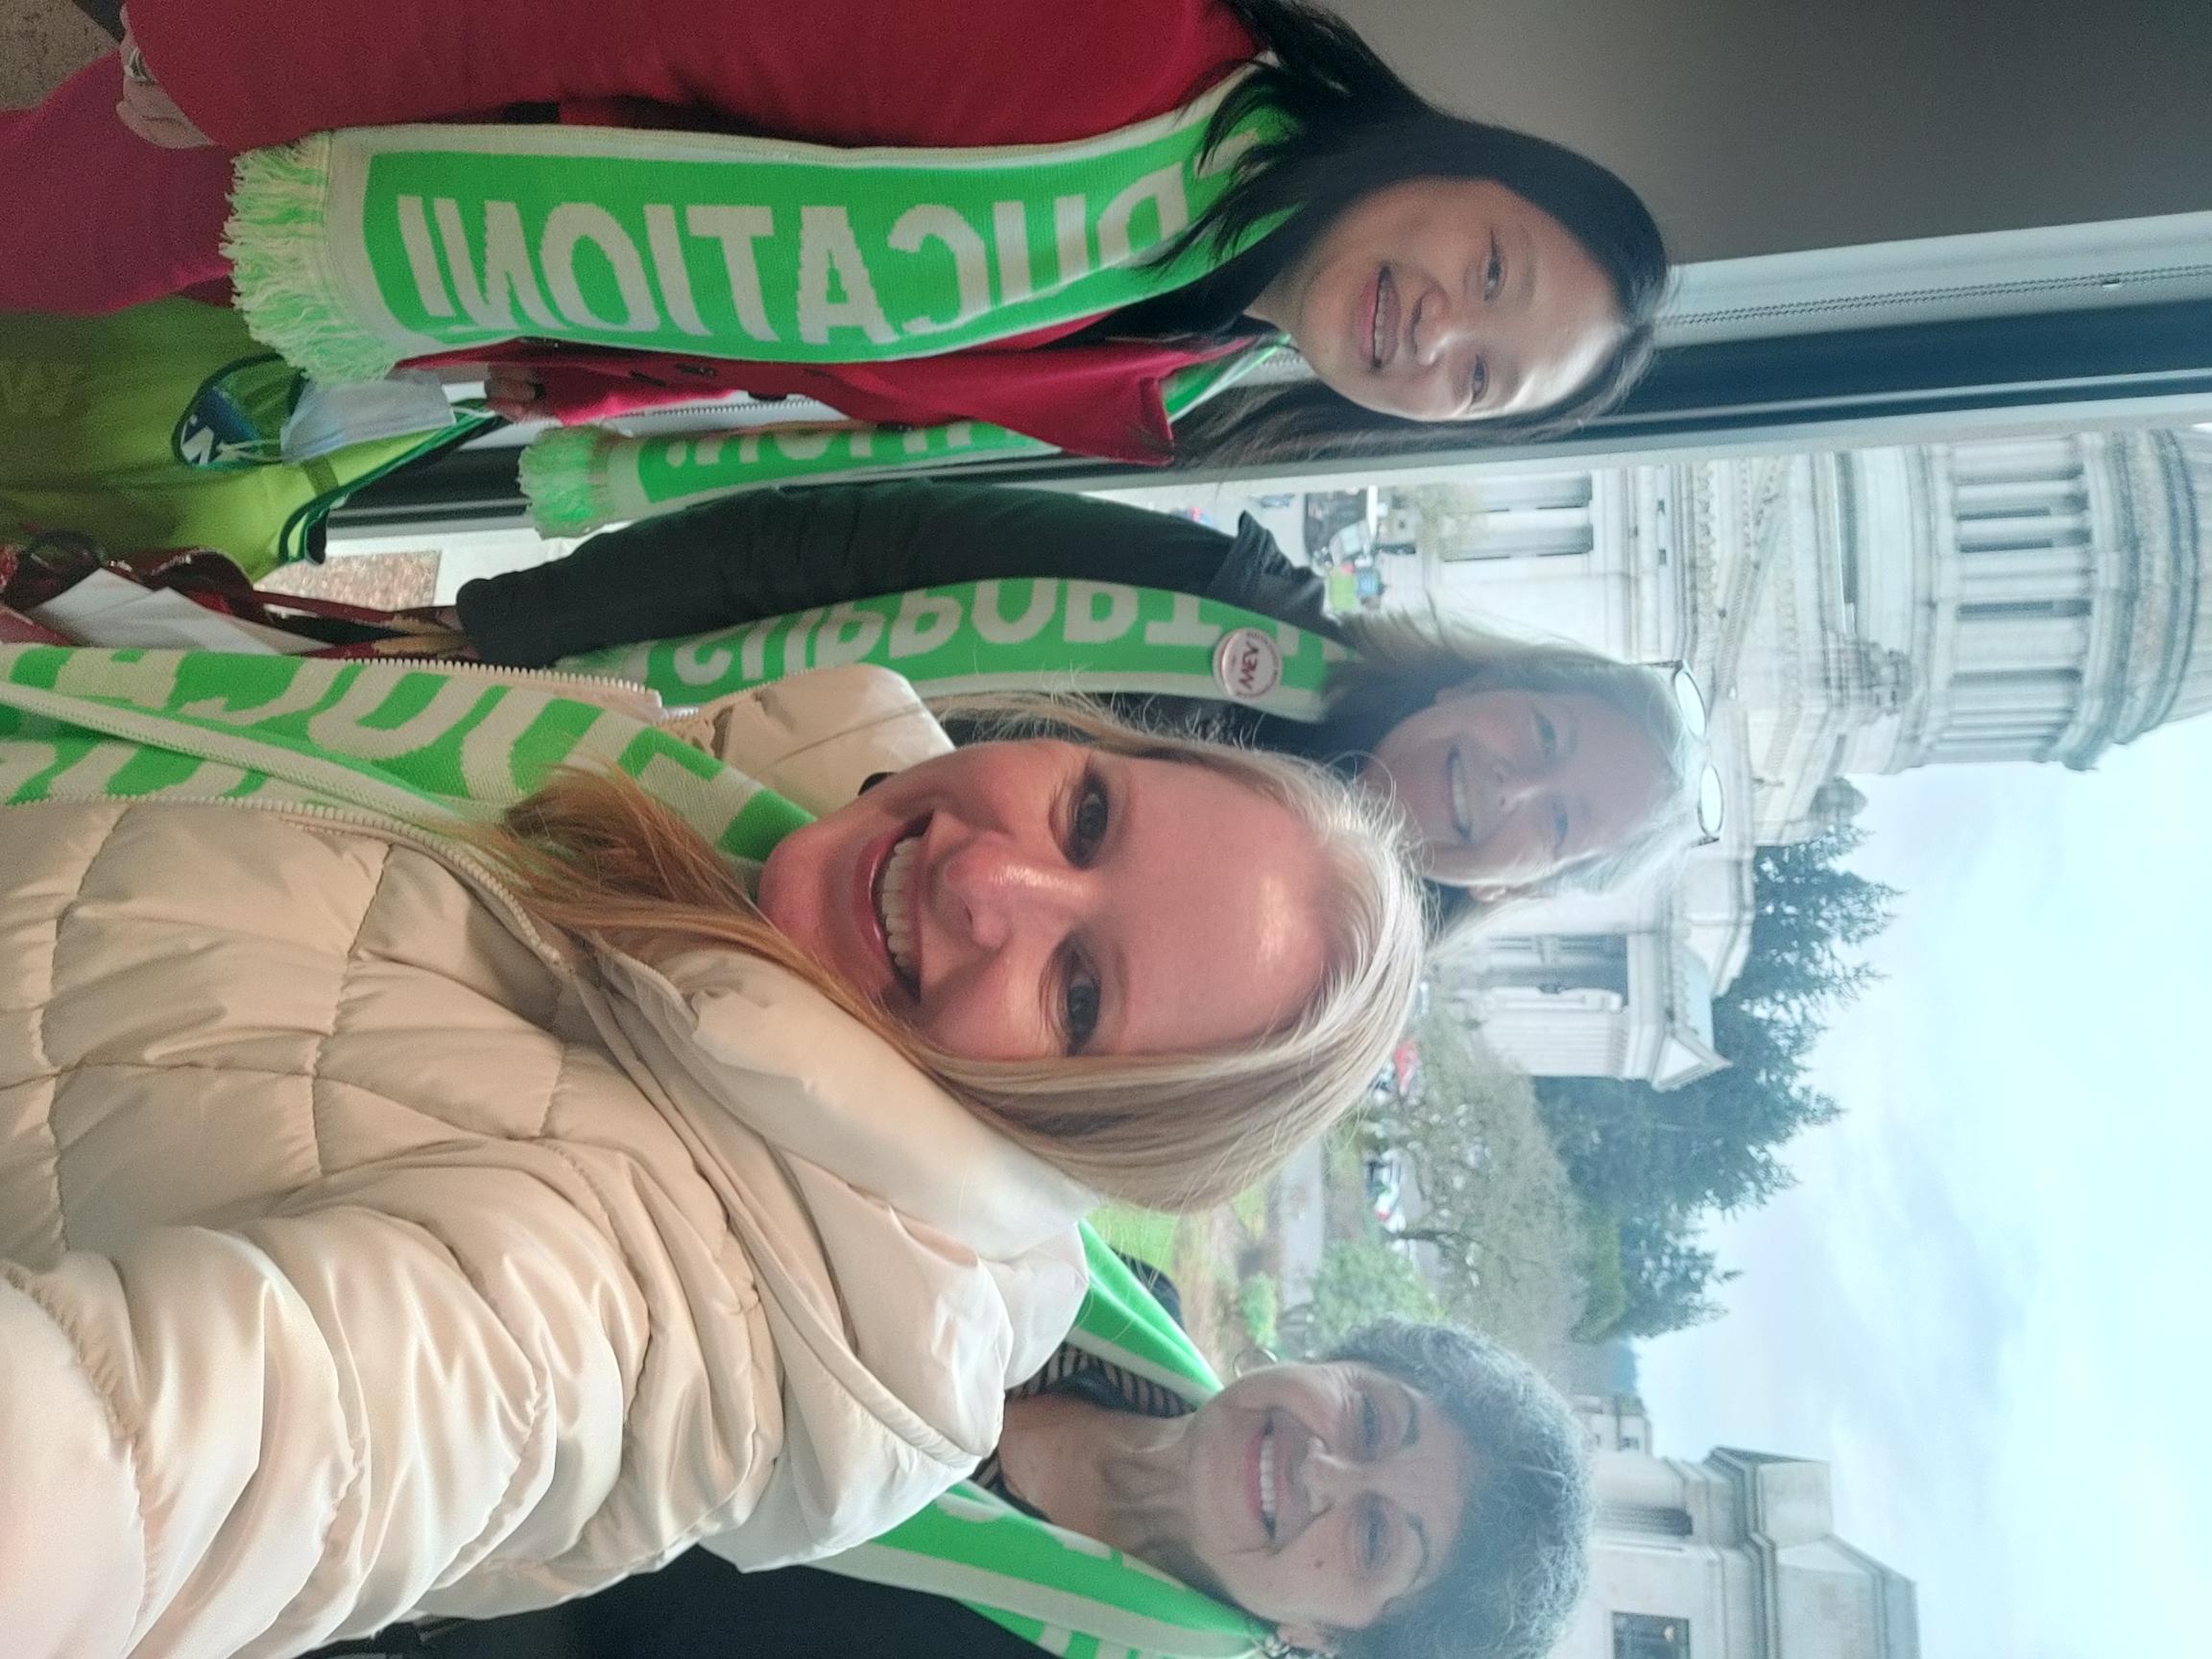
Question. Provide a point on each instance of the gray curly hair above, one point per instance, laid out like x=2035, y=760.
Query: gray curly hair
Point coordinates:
x=1522, y=1554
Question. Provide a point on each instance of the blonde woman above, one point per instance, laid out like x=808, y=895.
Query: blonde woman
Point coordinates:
x=463, y=1145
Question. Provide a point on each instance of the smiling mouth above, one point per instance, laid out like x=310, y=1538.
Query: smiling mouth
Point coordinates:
x=894, y=898
x=1382, y=322
x=1455, y=776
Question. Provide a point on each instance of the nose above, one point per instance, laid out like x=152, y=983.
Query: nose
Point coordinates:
x=1514, y=791
x=988, y=886
x=1328, y=1480
x=1445, y=330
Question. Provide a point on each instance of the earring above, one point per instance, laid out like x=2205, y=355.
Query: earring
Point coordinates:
x=1251, y=1358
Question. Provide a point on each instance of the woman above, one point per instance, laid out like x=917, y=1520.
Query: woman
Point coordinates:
x=1419, y=1494
x=591, y=1172
x=1430, y=268
x=1452, y=719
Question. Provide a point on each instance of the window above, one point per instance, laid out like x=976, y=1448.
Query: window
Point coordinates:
x=1649, y=1636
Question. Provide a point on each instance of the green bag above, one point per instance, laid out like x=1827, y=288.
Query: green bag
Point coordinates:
x=156, y=427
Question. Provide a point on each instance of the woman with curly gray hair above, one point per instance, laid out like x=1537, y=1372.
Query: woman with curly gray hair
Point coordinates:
x=1421, y=1494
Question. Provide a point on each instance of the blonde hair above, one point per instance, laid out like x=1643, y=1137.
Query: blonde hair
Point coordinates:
x=594, y=855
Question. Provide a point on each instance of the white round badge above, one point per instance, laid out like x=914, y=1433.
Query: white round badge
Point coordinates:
x=1247, y=663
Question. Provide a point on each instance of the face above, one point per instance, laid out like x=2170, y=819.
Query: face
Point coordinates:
x=1446, y=300
x=1021, y=900
x=1321, y=1498
x=1510, y=787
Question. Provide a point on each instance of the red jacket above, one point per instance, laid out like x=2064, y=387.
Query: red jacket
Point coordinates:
x=846, y=72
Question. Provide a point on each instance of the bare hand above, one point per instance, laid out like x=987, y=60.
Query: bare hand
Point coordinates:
x=518, y=393
x=149, y=111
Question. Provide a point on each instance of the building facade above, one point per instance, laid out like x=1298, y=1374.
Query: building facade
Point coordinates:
x=1735, y=1557
x=2035, y=600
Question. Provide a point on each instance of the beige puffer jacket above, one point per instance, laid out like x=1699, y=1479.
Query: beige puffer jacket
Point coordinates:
x=363, y=1253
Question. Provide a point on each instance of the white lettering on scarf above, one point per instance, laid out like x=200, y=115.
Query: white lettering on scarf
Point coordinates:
x=1099, y=612
x=829, y=252
x=971, y=262
x=737, y=228
x=994, y=624
x=567, y=228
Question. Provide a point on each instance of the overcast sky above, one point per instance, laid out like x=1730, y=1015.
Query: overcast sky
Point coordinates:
x=1986, y=1303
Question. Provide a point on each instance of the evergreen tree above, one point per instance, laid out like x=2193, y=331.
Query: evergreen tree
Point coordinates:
x=1655, y=1162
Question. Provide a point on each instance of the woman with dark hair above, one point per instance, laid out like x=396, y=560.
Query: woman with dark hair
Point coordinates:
x=1528, y=767
x=1419, y=1493
x=1190, y=179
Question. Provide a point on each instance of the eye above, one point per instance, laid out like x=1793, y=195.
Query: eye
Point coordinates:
x=1374, y=1536
x=1079, y=999
x=1547, y=738
x=1087, y=823
x=1560, y=825
x=1370, y=1426
x=1479, y=384
x=1493, y=272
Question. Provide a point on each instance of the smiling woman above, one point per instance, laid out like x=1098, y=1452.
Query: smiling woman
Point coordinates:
x=972, y=229
x=1155, y=961
x=523, y=1093
x=1016, y=901
x=1421, y=1495
x=1526, y=765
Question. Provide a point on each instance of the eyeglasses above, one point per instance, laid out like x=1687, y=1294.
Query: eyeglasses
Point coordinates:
x=1711, y=794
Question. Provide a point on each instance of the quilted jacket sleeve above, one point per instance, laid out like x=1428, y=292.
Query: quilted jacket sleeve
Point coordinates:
x=246, y=1442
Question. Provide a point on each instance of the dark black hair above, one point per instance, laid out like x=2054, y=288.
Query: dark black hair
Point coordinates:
x=1521, y=1555
x=1355, y=127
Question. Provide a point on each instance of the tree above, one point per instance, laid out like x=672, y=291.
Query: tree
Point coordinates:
x=1490, y=1217
x=1653, y=1161
x=1360, y=1279
x=1669, y=1281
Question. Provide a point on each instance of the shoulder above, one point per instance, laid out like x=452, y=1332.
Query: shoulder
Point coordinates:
x=1258, y=575
x=816, y=738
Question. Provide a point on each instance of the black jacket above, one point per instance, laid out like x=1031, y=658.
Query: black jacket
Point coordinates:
x=770, y=552
x=701, y=1607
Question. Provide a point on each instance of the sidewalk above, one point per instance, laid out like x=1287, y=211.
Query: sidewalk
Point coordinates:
x=42, y=42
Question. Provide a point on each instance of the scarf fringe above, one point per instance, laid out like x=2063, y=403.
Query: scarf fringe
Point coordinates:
x=281, y=266
x=564, y=479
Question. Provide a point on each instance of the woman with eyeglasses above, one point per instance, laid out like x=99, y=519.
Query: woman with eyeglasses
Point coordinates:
x=1528, y=767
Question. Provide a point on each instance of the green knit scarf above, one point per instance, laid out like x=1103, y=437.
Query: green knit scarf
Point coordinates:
x=429, y=746
x=1069, y=1594
x=1040, y=633
x=354, y=250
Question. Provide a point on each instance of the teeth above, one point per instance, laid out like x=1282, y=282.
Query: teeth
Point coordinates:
x=1267, y=1479
x=894, y=908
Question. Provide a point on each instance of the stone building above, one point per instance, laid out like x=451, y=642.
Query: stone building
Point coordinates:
x=2031, y=599
x=1735, y=1557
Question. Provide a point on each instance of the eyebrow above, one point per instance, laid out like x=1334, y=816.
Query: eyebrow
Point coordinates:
x=1114, y=1016
x=1420, y=1533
